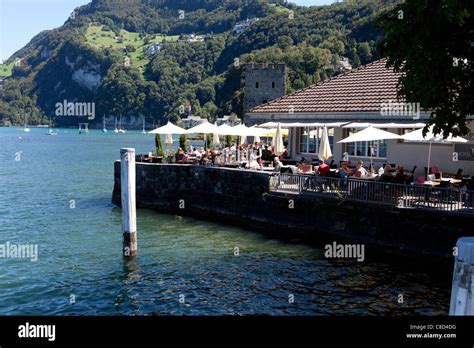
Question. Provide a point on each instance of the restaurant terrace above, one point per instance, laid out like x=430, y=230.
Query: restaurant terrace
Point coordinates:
x=348, y=138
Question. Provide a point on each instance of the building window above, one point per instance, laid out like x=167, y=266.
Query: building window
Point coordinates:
x=273, y=84
x=375, y=149
x=256, y=84
x=310, y=138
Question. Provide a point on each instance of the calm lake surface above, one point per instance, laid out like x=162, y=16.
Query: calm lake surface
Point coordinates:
x=58, y=196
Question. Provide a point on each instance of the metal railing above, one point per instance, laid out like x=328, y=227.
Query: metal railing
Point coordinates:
x=399, y=195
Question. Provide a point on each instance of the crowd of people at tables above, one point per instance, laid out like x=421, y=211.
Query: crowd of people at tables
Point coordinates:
x=385, y=173
x=255, y=156
x=250, y=156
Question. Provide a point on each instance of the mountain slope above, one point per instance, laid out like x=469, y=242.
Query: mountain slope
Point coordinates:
x=101, y=55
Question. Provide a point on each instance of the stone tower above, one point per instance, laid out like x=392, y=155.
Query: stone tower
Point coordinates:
x=263, y=83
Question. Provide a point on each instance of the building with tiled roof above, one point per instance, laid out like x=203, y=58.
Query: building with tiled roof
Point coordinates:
x=360, y=90
x=347, y=103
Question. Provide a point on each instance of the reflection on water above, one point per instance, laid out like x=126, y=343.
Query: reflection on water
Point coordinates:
x=185, y=266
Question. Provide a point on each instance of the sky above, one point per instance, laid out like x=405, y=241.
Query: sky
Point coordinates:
x=21, y=20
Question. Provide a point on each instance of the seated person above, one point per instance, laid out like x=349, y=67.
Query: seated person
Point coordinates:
x=304, y=167
x=180, y=156
x=284, y=154
x=198, y=153
x=344, y=171
x=266, y=154
x=213, y=155
x=387, y=175
x=323, y=169
x=252, y=164
x=277, y=165
x=360, y=170
x=400, y=176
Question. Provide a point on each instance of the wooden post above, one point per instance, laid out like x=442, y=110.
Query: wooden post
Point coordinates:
x=129, y=216
x=462, y=293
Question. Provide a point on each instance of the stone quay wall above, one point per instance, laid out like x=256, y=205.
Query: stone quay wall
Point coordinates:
x=242, y=197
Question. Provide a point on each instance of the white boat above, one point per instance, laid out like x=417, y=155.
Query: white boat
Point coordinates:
x=51, y=131
x=104, y=129
x=120, y=130
x=143, y=131
x=26, y=129
x=116, y=129
x=83, y=128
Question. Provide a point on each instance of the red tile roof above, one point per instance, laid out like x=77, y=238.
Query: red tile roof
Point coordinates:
x=360, y=90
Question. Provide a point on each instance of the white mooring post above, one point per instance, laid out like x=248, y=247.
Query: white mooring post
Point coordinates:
x=129, y=216
x=462, y=293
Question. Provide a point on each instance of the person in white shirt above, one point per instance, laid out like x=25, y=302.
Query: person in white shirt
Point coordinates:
x=360, y=170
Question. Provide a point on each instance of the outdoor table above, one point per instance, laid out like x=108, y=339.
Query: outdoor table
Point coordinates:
x=437, y=182
x=370, y=178
x=451, y=181
x=232, y=165
x=430, y=183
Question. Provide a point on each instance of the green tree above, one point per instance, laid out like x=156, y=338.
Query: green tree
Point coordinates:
x=208, y=141
x=365, y=53
x=159, y=146
x=284, y=42
x=183, y=139
x=430, y=42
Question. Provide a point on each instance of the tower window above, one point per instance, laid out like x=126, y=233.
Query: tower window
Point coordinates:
x=273, y=84
x=257, y=85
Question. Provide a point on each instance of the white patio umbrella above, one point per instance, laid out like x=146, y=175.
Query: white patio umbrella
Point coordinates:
x=169, y=140
x=431, y=138
x=215, y=136
x=256, y=138
x=370, y=134
x=241, y=130
x=169, y=128
x=225, y=130
x=204, y=128
x=324, y=147
x=277, y=142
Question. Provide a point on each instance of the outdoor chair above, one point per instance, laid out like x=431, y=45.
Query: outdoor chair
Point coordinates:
x=410, y=176
x=310, y=183
x=470, y=193
x=458, y=174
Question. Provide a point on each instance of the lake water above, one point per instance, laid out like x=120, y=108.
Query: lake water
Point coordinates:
x=55, y=192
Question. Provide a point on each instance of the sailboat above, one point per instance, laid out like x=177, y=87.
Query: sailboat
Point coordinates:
x=51, y=131
x=121, y=131
x=153, y=126
x=26, y=129
x=143, y=131
x=116, y=129
x=104, y=129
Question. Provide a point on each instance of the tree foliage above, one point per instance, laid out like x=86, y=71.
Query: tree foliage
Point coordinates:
x=430, y=42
